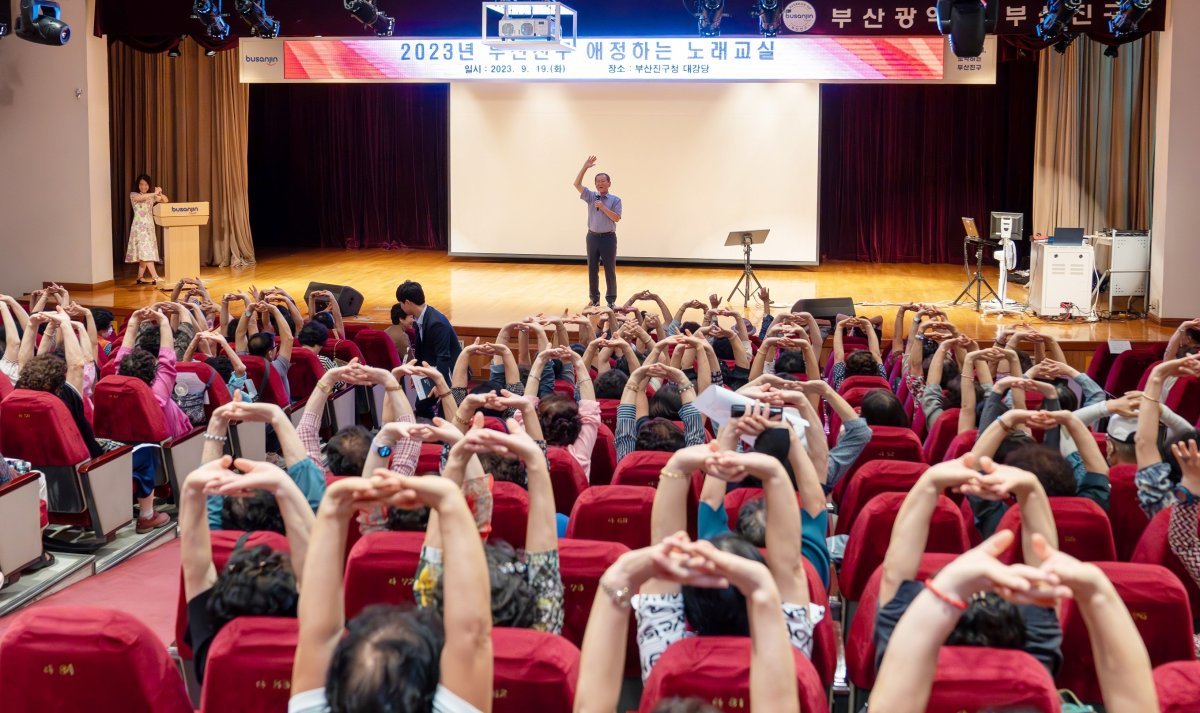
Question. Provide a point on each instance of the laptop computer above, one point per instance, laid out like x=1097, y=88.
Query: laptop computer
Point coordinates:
x=1068, y=236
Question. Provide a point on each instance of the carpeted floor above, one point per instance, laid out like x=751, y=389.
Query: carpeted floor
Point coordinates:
x=146, y=586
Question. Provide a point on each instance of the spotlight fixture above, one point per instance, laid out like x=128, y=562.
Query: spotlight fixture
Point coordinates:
x=372, y=18
x=209, y=13
x=210, y=52
x=254, y=12
x=967, y=22
x=40, y=21
x=769, y=17
x=175, y=51
x=1064, y=42
x=1055, y=23
x=1129, y=14
x=1112, y=52
x=708, y=17
x=3, y=28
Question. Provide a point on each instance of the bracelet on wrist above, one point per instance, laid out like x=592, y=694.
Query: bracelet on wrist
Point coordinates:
x=620, y=597
x=214, y=437
x=324, y=387
x=672, y=474
x=952, y=601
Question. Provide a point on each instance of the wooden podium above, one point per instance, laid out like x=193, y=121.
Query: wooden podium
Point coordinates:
x=181, y=238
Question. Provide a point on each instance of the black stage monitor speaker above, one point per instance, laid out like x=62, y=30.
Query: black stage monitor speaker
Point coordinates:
x=349, y=299
x=826, y=307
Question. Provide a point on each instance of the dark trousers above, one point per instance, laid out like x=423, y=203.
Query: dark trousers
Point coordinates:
x=602, y=246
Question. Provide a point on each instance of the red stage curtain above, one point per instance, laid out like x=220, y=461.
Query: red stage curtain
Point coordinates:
x=349, y=165
x=901, y=165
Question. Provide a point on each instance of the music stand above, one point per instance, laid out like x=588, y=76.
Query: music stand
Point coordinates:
x=746, y=238
x=977, y=280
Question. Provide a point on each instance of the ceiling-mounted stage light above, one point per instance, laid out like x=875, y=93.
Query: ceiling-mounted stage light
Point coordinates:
x=1112, y=52
x=254, y=12
x=209, y=13
x=173, y=52
x=372, y=18
x=1129, y=14
x=210, y=52
x=1055, y=23
x=1064, y=42
x=967, y=22
x=40, y=21
x=769, y=17
x=708, y=17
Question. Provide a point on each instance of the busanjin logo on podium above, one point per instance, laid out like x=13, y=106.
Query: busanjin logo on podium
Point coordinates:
x=185, y=209
x=262, y=59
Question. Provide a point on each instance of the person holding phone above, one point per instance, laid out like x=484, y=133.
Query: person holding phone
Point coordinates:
x=604, y=212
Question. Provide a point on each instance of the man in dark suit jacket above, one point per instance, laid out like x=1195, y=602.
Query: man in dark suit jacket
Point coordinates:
x=436, y=342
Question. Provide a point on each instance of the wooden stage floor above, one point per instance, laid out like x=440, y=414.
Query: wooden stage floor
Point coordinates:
x=482, y=295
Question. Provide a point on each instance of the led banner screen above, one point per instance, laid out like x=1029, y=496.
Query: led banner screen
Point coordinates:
x=746, y=59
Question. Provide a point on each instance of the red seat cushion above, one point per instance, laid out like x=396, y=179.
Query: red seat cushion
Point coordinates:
x=961, y=444
x=641, y=468
x=887, y=443
x=878, y=476
x=510, y=513
x=249, y=666
x=872, y=532
x=943, y=431
x=87, y=658
x=57, y=442
x=567, y=478
x=304, y=373
x=430, y=459
x=381, y=569
x=1153, y=548
x=1124, y=513
x=377, y=348
x=1083, y=530
x=604, y=456
x=716, y=669
x=863, y=382
x=582, y=562
x=533, y=670
x=125, y=410
x=1158, y=604
x=266, y=381
x=1178, y=685
x=616, y=513
x=976, y=678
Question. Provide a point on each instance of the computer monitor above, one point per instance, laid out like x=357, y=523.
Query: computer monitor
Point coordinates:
x=1007, y=226
x=1068, y=236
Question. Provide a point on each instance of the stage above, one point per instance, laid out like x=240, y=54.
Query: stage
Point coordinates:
x=479, y=296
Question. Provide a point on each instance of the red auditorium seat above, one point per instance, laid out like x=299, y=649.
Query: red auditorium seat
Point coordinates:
x=353, y=328
x=640, y=468
x=1129, y=367
x=342, y=350
x=878, y=476
x=887, y=443
x=20, y=524
x=735, y=499
x=976, y=678
x=614, y=513
x=510, y=513
x=1183, y=399
x=381, y=569
x=860, y=638
x=1101, y=363
x=1178, y=685
x=941, y=434
x=6, y=386
x=604, y=456
x=863, y=382
x=267, y=382
x=87, y=658
x=1153, y=548
x=608, y=413
x=1158, y=604
x=249, y=667
x=849, y=345
x=94, y=494
x=378, y=349
x=567, y=477
x=304, y=373
x=919, y=426
x=430, y=459
x=564, y=387
x=961, y=444
x=223, y=542
x=582, y=562
x=125, y=411
x=1128, y=520
x=533, y=670
x=872, y=532
x=495, y=424
x=716, y=669
x=1083, y=530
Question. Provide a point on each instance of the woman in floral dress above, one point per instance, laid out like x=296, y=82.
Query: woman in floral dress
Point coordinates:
x=143, y=242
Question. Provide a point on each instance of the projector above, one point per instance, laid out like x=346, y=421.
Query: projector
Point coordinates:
x=527, y=28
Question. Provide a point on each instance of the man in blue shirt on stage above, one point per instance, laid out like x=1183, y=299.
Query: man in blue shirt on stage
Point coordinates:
x=604, y=212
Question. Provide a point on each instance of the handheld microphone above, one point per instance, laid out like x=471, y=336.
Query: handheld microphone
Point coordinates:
x=600, y=198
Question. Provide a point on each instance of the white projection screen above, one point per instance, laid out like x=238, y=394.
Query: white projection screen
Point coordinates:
x=691, y=162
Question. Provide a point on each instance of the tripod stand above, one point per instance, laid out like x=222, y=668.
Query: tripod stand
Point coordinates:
x=977, y=281
x=747, y=239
